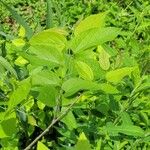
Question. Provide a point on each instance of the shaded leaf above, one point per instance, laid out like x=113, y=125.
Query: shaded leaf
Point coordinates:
x=7, y=65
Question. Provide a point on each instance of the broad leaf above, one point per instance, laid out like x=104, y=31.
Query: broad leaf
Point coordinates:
x=8, y=127
x=47, y=95
x=20, y=93
x=47, y=53
x=47, y=38
x=117, y=75
x=93, y=21
x=93, y=37
x=84, y=70
x=45, y=77
x=74, y=85
x=70, y=121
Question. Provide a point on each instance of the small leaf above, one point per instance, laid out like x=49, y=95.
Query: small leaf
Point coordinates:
x=20, y=61
x=22, y=32
x=6, y=65
x=93, y=21
x=84, y=70
x=117, y=75
x=32, y=121
x=103, y=58
x=19, y=19
x=82, y=143
x=41, y=146
x=18, y=42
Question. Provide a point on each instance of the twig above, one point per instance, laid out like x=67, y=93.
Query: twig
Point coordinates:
x=52, y=123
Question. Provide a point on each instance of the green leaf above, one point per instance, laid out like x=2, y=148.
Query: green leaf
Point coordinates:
x=82, y=143
x=37, y=61
x=22, y=32
x=2, y=133
x=130, y=130
x=70, y=121
x=9, y=126
x=92, y=38
x=108, y=88
x=126, y=120
x=18, y=42
x=84, y=70
x=103, y=58
x=117, y=75
x=7, y=65
x=47, y=53
x=93, y=21
x=45, y=77
x=73, y=85
x=47, y=95
x=19, y=19
x=20, y=61
x=41, y=146
x=49, y=38
x=20, y=93
x=49, y=16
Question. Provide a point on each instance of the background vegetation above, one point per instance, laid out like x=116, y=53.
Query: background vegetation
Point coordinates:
x=81, y=83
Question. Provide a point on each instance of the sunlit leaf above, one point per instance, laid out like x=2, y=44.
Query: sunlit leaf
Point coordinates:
x=103, y=58
x=20, y=93
x=93, y=21
x=41, y=146
x=70, y=121
x=117, y=75
x=84, y=70
x=93, y=37
x=82, y=143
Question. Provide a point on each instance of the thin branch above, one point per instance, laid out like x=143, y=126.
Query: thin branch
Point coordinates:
x=52, y=123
